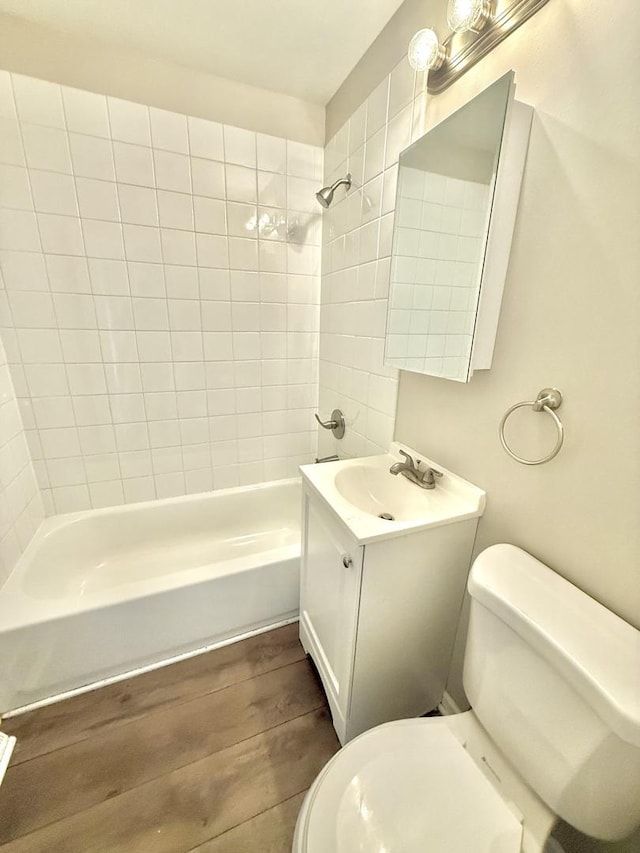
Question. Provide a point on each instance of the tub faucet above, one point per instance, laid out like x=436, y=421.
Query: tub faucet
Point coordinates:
x=411, y=470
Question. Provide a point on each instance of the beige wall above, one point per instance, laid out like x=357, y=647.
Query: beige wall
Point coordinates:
x=37, y=51
x=570, y=311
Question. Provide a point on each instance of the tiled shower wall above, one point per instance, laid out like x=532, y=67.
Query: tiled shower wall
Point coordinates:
x=21, y=507
x=160, y=309
x=356, y=260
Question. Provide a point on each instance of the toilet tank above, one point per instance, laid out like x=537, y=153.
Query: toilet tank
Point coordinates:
x=554, y=678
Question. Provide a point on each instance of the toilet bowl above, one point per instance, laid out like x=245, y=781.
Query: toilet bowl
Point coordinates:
x=403, y=782
x=554, y=730
x=435, y=778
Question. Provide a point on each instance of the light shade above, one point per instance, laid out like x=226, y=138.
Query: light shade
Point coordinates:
x=465, y=15
x=425, y=51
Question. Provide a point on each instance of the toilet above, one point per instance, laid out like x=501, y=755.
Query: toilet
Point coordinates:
x=553, y=679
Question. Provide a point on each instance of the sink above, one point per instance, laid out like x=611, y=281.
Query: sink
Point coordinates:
x=374, y=504
x=372, y=489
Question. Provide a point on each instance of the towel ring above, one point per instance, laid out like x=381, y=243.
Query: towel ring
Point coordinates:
x=546, y=401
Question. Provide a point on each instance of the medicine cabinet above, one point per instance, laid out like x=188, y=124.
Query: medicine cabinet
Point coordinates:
x=456, y=203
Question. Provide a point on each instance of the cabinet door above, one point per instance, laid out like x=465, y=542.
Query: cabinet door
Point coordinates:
x=330, y=594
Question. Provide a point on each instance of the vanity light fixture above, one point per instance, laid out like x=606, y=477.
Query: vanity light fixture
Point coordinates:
x=465, y=15
x=477, y=26
x=425, y=51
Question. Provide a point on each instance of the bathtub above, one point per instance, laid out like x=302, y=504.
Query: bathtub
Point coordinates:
x=101, y=594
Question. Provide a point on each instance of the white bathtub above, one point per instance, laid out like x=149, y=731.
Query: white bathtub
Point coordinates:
x=101, y=593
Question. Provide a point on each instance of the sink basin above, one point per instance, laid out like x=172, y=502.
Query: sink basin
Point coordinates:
x=374, y=504
x=372, y=489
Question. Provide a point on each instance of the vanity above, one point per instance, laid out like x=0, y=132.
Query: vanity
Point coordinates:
x=384, y=568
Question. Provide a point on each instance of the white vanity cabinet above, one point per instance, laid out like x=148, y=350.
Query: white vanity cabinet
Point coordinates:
x=379, y=619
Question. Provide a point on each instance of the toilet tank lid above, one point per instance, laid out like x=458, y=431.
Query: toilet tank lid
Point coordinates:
x=596, y=651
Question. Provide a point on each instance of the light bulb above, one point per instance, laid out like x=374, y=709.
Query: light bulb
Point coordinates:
x=425, y=51
x=465, y=15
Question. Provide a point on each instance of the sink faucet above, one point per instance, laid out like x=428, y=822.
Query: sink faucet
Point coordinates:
x=411, y=470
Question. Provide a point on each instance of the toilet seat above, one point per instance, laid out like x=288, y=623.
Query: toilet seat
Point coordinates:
x=405, y=787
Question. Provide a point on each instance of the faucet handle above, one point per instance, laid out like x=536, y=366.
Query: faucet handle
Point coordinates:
x=408, y=458
x=430, y=475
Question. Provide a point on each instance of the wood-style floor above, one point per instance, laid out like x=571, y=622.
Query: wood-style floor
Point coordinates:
x=210, y=755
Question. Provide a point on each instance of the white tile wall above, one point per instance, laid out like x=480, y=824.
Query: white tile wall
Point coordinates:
x=435, y=277
x=21, y=509
x=161, y=296
x=356, y=259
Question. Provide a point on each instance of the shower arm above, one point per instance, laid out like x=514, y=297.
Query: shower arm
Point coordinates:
x=346, y=181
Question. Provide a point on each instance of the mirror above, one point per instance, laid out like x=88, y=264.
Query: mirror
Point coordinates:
x=456, y=201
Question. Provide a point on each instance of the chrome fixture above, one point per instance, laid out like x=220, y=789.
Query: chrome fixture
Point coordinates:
x=547, y=401
x=332, y=458
x=411, y=470
x=336, y=424
x=477, y=26
x=325, y=195
x=463, y=15
x=425, y=51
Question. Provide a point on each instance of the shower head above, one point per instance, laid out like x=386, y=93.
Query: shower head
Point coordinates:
x=325, y=195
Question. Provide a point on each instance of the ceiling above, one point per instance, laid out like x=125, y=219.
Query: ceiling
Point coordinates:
x=296, y=47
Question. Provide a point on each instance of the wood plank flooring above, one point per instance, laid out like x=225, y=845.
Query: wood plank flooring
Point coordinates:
x=210, y=755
